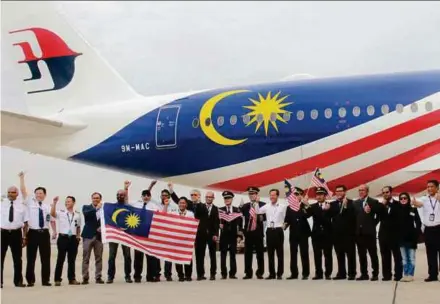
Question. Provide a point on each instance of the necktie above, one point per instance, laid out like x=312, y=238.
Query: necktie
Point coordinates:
x=228, y=211
x=11, y=212
x=40, y=216
x=145, y=204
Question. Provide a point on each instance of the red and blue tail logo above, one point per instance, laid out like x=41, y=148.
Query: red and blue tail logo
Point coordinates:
x=57, y=55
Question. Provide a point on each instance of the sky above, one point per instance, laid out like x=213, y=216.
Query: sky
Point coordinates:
x=168, y=47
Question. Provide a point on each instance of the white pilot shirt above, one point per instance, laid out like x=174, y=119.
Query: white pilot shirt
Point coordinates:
x=149, y=206
x=33, y=210
x=275, y=214
x=431, y=205
x=68, y=222
x=20, y=214
x=186, y=213
x=171, y=208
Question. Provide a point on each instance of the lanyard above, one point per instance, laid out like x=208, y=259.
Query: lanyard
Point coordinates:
x=70, y=220
x=275, y=209
x=433, y=205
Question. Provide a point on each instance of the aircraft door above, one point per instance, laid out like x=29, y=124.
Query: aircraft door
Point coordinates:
x=166, y=127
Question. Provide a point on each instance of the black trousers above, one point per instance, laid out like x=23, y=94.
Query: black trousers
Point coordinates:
x=275, y=241
x=38, y=240
x=153, y=268
x=228, y=244
x=303, y=244
x=322, y=246
x=367, y=243
x=184, y=271
x=345, y=248
x=113, y=250
x=13, y=239
x=432, y=243
x=253, y=241
x=138, y=264
x=200, y=249
x=67, y=245
x=167, y=269
x=390, y=248
x=212, y=247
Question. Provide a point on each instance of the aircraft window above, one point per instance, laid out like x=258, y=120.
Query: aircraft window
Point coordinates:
x=314, y=114
x=399, y=108
x=428, y=106
x=356, y=111
x=414, y=107
x=208, y=121
x=260, y=118
x=385, y=109
x=300, y=115
x=370, y=110
x=273, y=116
x=328, y=113
x=195, y=123
x=233, y=120
x=220, y=121
x=246, y=119
x=342, y=112
x=286, y=116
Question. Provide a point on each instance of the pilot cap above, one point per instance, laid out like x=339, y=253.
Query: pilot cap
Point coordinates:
x=321, y=190
x=299, y=191
x=227, y=194
x=253, y=190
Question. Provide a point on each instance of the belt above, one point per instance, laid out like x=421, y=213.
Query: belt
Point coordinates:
x=274, y=228
x=66, y=235
x=39, y=230
x=11, y=230
x=435, y=227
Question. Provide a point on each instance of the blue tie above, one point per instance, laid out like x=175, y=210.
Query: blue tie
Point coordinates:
x=40, y=216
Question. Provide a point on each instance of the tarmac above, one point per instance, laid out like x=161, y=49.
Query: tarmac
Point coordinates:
x=221, y=291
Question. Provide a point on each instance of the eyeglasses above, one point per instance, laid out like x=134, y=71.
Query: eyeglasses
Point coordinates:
x=209, y=197
x=193, y=194
x=403, y=198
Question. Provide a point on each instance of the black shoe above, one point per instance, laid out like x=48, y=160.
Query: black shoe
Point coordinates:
x=169, y=279
x=387, y=279
x=279, y=277
x=328, y=277
x=201, y=278
x=246, y=277
x=317, y=278
x=292, y=277
x=181, y=279
x=30, y=284
x=259, y=276
x=305, y=277
x=351, y=278
x=224, y=277
x=47, y=284
x=430, y=279
x=233, y=277
x=99, y=281
x=397, y=279
x=19, y=285
x=363, y=278
x=339, y=278
x=375, y=278
x=110, y=281
x=74, y=282
x=270, y=277
x=212, y=278
x=137, y=280
x=188, y=279
x=128, y=280
x=156, y=279
x=85, y=282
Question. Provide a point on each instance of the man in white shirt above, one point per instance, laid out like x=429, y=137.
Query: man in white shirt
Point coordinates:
x=38, y=236
x=275, y=215
x=68, y=239
x=14, y=219
x=184, y=272
x=431, y=221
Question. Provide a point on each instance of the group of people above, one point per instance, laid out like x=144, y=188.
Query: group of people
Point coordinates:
x=342, y=224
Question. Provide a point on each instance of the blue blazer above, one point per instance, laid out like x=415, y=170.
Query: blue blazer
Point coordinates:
x=91, y=223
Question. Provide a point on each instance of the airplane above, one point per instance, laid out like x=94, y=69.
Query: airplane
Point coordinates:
x=376, y=129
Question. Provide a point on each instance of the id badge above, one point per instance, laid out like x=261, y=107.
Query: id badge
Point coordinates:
x=272, y=224
x=48, y=218
x=70, y=233
x=431, y=217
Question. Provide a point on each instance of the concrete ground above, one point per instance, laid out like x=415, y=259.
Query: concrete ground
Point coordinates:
x=223, y=291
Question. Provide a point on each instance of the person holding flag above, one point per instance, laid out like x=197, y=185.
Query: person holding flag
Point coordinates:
x=299, y=231
x=253, y=234
x=230, y=225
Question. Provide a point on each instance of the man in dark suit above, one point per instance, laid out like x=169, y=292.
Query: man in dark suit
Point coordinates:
x=344, y=233
x=91, y=235
x=253, y=234
x=228, y=236
x=213, y=229
x=388, y=235
x=366, y=222
x=321, y=234
x=299, y=233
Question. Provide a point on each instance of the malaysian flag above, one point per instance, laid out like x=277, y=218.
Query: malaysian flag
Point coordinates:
x=228, y=217
x=293, y=201
x=319, y=181
x=165, y=236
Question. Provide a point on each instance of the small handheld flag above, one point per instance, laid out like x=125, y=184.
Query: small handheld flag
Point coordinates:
x=293, y=201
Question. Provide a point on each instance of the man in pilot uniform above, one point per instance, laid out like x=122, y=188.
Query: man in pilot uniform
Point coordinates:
x=299, y=233
x=14, y=218
x=228, y=236
x=253, y=234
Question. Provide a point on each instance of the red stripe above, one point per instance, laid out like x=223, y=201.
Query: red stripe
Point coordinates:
x=122, y=234
x=387, y=166
x=333, y=156
x=170, y=215
x=180, y=238
x=138, y=246
x=168, y=229
x=418, y=184
x=174, y=223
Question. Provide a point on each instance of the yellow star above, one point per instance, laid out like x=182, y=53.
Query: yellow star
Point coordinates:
x=132, y=220
x=265, y=107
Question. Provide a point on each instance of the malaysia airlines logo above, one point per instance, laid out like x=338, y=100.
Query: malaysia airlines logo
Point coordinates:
x=57, y=55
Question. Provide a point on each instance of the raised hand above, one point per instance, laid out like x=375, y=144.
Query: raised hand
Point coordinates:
x=127, y=184
x=56, y=199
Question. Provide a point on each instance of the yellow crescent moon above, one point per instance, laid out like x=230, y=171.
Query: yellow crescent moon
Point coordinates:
x=209, y=130
x=115, y=214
